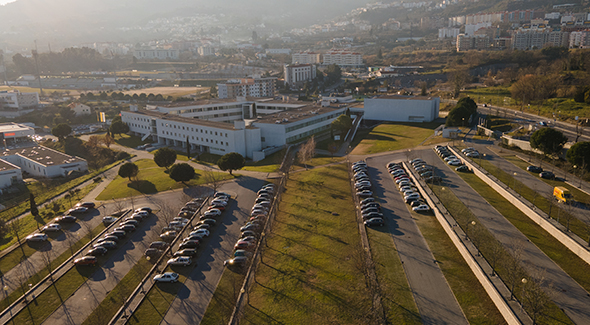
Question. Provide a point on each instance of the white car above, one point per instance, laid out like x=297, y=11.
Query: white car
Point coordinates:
x=203, y=232
x=455, y=162
x=409, y=192
x=421, y=207
x=450, y=158
x=166, y=277
x=51, y=227
x=212, y=212
x=37, y=237
x=405, y=183
x=406, y=188
x=472, y=154
x=181, y=219
x=109, y=219
x=413, y=196
x=180, y=260
x=219, y=202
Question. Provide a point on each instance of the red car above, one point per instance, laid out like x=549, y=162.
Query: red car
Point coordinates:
x=242, y=244
x=219, y=207
x=86, y=260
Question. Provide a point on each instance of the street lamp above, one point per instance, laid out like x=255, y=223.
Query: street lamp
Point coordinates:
x=467, y=228
x=514, y=180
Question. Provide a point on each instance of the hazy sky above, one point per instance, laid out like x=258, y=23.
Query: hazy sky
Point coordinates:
x=3, y=2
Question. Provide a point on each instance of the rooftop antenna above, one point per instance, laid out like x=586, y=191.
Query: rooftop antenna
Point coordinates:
x=36, y=57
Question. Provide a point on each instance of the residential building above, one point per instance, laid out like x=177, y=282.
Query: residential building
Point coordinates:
x=80, y=109
x=579, y=39
x=305, y=58
x=396, y=108
x=247, y=87
x=161, y=54
x=206, y=50
x=16, y=100
x=343, y=58
x=448, y=32
x=475, y=42
x=537, y=38
x=297, y=74
x=278, y=51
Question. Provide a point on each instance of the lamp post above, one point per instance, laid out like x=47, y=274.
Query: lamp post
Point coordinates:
x=514, y=180
x=467, y=228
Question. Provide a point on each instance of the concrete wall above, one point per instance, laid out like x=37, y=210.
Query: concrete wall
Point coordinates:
x=401, y=110
x=540, y=218
x=479, y=273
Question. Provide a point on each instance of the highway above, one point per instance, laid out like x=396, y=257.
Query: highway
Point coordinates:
x=565, y=292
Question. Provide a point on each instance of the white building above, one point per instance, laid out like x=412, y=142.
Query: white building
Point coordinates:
x=246, y=126
x=395, y=108
x=80, y=109
x=13, y=133
x=9, y=175
x=15, y=100
x=161, y=54
x=278, y=51
x=343, y=58
x=448, y=32
x=305, y=58
x=247, y=87
x=297, y=74
x=44, y=162
x=206, y=50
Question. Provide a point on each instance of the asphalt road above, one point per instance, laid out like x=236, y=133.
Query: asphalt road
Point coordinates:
x=80, y=305
x=566, y=293
x=434, y=298
x=194, y=296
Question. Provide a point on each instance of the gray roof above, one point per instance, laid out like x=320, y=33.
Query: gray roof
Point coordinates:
x=6, y=166
x=42, y=155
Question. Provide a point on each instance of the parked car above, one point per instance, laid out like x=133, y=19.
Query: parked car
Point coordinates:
x=169, y=235
x=180, y=260
x=472, y=154
x=370, y=205
x=51, y=227
x=455, y=162
x=86, y=260
x=146, y=209
x=463, y=168
x=236, y=261
x=250, y=227
x=77, y=210
x=217, y=194
x=374, y=222
x=117, y=233
x=208, y=221
x=132, y=222
x=202, y=226
x=415, y=203
x=106, y=244
x=247, y=233
x=186, y=252
x=367, y=200
x=204, y=232
x=109, y=219
x=152, y=252
x=159, y=245
x=422, y=207
x=97, y=251
x=213, y=212
x=534, y=169
x=364, y=193
x=547, y=175
x=189, y=244
x=108, y=237
x=372, y=215
x=65, y=219
x=36, y=237
x=127, y=227
x=241, y=244
x=369, y=210
x=166, y=277
x=88, y=205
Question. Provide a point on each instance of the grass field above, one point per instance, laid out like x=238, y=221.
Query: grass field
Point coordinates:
x=390, y=136
x=310, y=269
x=151, y=179
x=130, y=141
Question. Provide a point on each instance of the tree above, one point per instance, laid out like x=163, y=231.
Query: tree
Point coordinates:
x=307, y=151
x=128, y=170
x=34, y=209
x=343, y=123
x=212, y=178
x=61, y=131
x=118, y=127
x=107, y=140
x=182, y=172
x=333, y=73
x=536, y=295
x=231, y=162
x=188, y=149
x=579, y=155
x=165, y=157
x=94, y=140
x=512, y=268
x=548, y=140
x=459, y=79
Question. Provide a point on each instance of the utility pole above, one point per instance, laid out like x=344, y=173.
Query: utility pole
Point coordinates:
x=36, y=57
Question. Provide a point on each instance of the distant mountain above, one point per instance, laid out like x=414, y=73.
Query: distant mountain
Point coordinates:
x=96, y=20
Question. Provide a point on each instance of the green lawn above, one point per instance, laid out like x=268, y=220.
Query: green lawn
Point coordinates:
x=268, y=164
x=151, y=179
x=318, y=161
x=392, y=136
x=109, y=306
x=130, y=141
x=224, y=298
x=312, y=266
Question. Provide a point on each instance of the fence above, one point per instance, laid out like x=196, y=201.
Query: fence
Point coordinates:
x=238, y=311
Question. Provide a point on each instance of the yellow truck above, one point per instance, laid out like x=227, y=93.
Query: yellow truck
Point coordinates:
x=562, y=194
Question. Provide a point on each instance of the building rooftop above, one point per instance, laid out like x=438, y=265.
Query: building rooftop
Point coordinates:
x=296, y=114
x=176, y=118
x=392, y=96
x=13, y=127
x=4, y=165
x=42, y=155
